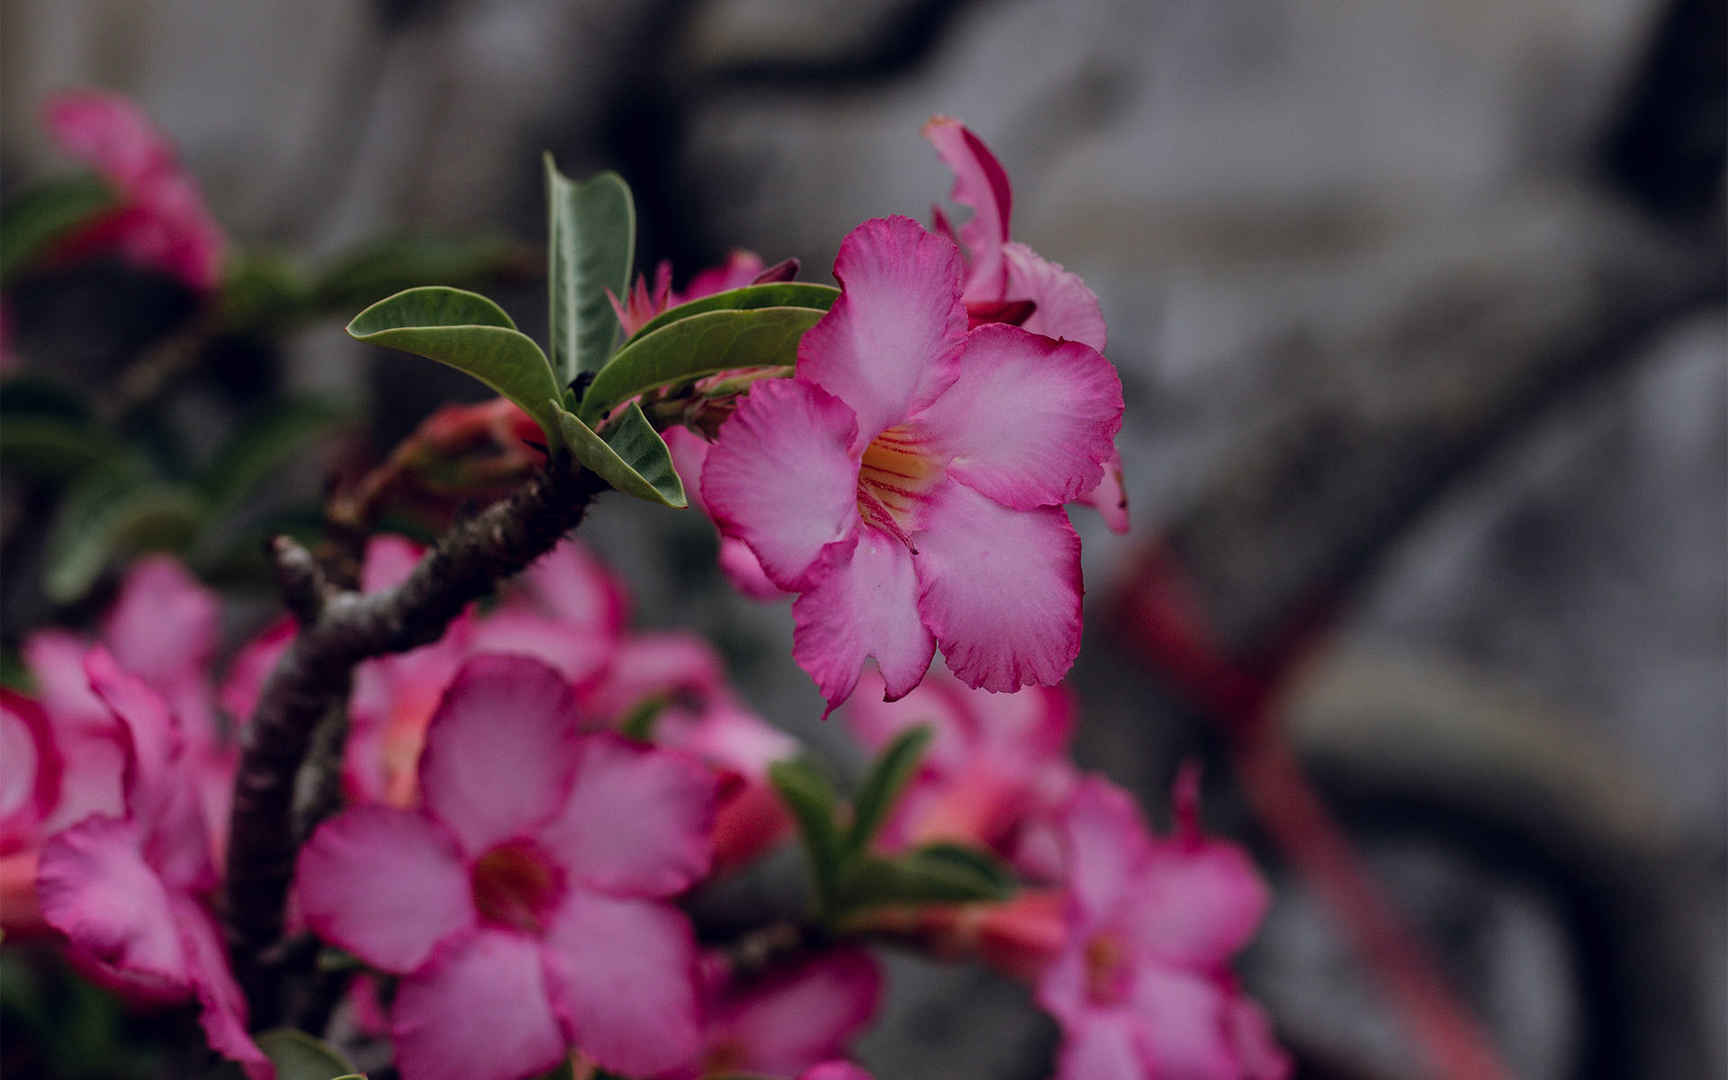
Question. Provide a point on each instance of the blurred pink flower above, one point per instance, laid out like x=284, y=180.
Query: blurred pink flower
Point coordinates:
x=525, y=903
x=787, y=1020
x=161, y=221
x=835, y=1070
x=1143, y=986
x=741, y=268
x=1003, y=276
x=126, y=889
x=908, y=481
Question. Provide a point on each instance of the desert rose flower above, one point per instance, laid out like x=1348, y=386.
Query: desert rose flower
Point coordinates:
x=739, y=564
x=127, y=890
x=741, y=268
x=1143, y=987
x=1003, y=276
x=908, y=481
x=787, y=1020
x=161, y=221
x=525, y=903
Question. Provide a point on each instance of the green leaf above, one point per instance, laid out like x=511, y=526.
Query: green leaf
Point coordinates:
x=112, y=513
x=703, y=344
x=53, y=446
x=806, y=294
x=937, y=874
x=812, y=801
x=263, y=446
x=298, y=1056
x=887, y=779
x=469, y=333
x=591, y=242
x=34, y=219
x=631, y=456
x=382, y=267
x=638, y=723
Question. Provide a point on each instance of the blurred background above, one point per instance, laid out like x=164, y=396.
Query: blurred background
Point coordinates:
x=1418, y=307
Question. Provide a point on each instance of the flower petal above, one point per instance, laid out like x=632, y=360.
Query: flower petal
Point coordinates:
x=667, y=665
x=1197, y=905
x=95, y=887
x=579, y=653
x=1030, y=421
x=480, y=1011
x=164, y=624
x=1103, y=1048
x=835, y=1070
x=637, y=820
x=56, y=662
x=389, y=560
x=30, y=782
x=500, y=751
x=888, y=345
x=252, y=665
x=863, y=603
x=1066, y=308
x=1110, y=497
x=799, y=1017
x=740, y=565
x=1104, y=845
x=623, y=979
x=1184, y=1024
x=781, y=476
x=222, y=1005
x=981, y=183
x=572, y=585
x=1000, y=589
x=387, y=885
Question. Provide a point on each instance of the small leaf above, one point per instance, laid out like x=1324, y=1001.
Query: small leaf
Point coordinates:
x=805, y=294
x=469, y=333
x=812, y=801
x=939, y=874
x=298, y=1056
x=631, y=456
x=112, y=513
x=882, y=787
x=703, y=344
x=591, y=238
x=36, y=218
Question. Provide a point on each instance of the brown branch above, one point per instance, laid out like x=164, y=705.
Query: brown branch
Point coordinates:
x=340, y=628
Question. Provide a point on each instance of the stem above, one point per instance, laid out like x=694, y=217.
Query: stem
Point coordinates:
x=340, y=628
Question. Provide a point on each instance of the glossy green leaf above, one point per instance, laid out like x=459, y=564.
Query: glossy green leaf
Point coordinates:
x=34, y=219
x=805, y=294
x=591, y=240
x=703, y=344
x=887, y=778
x=631, y=455
x=298, y=1056
x=472, y=334
x=111, y=514
x=938, y=874
x=812, y=802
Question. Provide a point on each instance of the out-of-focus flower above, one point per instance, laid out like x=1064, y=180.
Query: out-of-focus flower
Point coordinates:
x=741, y=268
x=787, y=1020
x=1019, y=937
x=1004, y=276
x=907, y=483
x=996, y=775
x=835, y=1070
x=161, y=221
x=525, y=903
x=1143, y=986
x=459, y=453
x=127, y=890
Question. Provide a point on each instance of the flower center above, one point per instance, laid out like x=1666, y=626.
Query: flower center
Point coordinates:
x=516, y=886
x=1106, y=969
x=894, y=479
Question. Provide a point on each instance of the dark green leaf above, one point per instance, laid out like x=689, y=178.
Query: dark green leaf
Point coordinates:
x=638, y=723
x=812, y=801
x=36, y=218
x=390, y=265
x=631, y=456
x=112, y=513
x=940, y=874
x=805, y=294
x=54, y=446
x=591, y=241
x=886, y=780
x=262, y=447
x=298, y=1056
x=472, y=334
x=701, y=345
x=262, y=294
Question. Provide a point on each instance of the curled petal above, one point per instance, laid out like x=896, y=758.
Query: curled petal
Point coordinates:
x=500, y=752
x=781, y=476
x=1030, y=420
x=1065, y=307
x=889, y=344
x=1110, y=497
x=862, y=603
x=222, y=1007
x=30, y=782
x=94, y=886
x=480, y=1011
x=1000, y=589
x=981, y=183
x=623, y=979
x=385, y=884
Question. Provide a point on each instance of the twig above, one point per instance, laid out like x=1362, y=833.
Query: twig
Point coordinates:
x=313, y=678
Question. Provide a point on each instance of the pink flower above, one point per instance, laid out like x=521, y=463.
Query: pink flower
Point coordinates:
x=908, y=482
x=525, y=903
x=126, y=890
x=787, y=1020
x=1143, y=986
x=741, y=268
x=737, y=561
x=1004, y=275
x=835, y=1070
x=161, y=221
x=996, y=775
